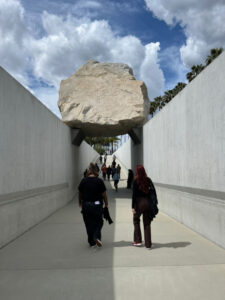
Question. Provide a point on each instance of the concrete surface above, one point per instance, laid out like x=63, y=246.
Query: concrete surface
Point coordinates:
x=39, y=167
x=184, y=146
x=54, y=261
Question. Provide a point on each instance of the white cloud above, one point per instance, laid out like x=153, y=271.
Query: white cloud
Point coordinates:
x=202, y=21
x=151, y=71
x=13, y=39
x=48, y=96
x=171, y=61
x=66, y=44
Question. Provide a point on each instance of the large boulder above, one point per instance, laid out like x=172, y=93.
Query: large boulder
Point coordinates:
x=103, y=99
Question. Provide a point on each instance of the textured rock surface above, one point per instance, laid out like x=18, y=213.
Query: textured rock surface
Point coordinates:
x=103, y=99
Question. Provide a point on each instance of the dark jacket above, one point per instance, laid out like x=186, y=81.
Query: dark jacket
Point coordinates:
x=106, y=215
x=151, y=195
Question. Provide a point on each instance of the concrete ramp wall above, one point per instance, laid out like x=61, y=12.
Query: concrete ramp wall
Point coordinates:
x=39, y=167
x=184, y=153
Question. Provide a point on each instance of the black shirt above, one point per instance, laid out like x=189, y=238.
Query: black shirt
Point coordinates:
x=91, y=189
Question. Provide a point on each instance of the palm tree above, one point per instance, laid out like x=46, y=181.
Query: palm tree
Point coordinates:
x=152, y=108
x=213, y=54
x=160, y=102
x=168, y=95
x=179, y=87
x=195, y=70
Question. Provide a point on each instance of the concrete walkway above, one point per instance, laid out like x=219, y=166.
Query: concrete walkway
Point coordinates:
x=53, y=260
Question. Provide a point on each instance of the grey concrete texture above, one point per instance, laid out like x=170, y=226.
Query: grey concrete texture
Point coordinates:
x=54, y=261
x=184, y=146
x=203, y=214
x=36, y=157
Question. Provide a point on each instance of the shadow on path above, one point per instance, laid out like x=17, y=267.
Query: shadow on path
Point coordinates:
x=154, y=245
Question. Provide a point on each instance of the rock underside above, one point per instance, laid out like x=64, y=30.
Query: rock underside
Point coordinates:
x=103, y=99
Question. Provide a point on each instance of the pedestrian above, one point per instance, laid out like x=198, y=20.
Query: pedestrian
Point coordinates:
x=113, y=171
x=108, y=171
x=104, y=171
x=118, y=168
x=113, y=163
x=142, y=204
x=92, y=194
x=100, y=159
x=130, y=178
x=105, y=158
x=116, y=178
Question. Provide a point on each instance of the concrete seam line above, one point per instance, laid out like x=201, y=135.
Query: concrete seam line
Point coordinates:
x=112, y=267
x=198, y=198
x=201, y=192
x=21, y=195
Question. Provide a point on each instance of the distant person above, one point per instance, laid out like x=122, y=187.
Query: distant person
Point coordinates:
x=92, y=194
x=100, y=159
x=113, y=164
x=108, y=171
x=130, y=178
x=113, y=171
x=114, y=157
x=105, y=158
x=116, y=178
x=104, y=171
x=144, y=202
x=118, y=168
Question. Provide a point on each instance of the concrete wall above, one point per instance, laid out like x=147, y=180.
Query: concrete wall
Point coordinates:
x=39, y=168
x=184, y=153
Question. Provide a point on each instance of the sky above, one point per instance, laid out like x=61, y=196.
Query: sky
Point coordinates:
x=45, y=41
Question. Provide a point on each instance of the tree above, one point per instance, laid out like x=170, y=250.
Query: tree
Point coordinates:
x=195, y=70
x=179, y=87
x=152, y=108
x=213, y=54
x=159, y=102
x=168, y=95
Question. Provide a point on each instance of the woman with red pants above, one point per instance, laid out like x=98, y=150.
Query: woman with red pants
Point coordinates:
x=142, y=204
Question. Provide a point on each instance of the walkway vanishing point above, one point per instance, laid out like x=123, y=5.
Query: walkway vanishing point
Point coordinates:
x=53, y=260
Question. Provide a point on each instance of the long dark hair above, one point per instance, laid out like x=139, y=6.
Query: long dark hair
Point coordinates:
x=142, y=179
x=92, y=170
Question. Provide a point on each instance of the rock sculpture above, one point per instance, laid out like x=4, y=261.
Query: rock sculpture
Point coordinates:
x=103, y=99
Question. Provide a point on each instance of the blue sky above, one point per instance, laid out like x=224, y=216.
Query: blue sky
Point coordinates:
x=45, y=41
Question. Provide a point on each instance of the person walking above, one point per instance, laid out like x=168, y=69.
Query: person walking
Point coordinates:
x=144, y=194
x=118, y=168
x=113, y=163
x=130, y=178
x=116, y=178
x=113, y=171
x=104, y=169
x=108, y=171
x=92, y=194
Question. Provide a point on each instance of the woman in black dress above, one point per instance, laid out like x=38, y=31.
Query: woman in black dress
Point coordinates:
x=144, y=194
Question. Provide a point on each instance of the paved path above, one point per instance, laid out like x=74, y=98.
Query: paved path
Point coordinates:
x=53, y=260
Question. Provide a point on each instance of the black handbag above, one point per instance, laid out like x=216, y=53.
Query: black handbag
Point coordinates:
x=153, y=202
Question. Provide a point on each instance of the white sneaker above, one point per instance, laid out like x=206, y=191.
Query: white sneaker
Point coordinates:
x=137, y=244
x=98, y=243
